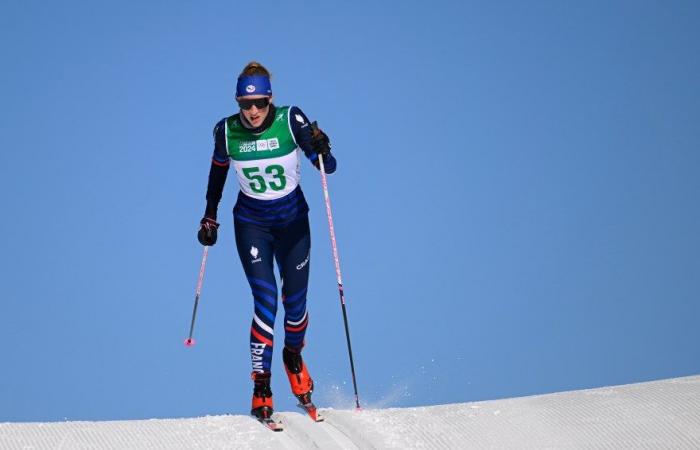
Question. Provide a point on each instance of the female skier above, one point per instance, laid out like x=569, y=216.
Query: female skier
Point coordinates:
x=270, y=218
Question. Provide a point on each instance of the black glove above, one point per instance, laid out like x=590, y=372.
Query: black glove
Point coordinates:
x=207, y=231
x=319, y=140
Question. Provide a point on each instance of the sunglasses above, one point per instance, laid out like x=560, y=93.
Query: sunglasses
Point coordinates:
x=259, y=103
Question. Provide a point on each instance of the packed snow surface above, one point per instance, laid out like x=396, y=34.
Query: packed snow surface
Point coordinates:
x=660, y=414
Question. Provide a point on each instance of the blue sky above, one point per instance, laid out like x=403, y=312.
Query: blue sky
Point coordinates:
x=515, y=203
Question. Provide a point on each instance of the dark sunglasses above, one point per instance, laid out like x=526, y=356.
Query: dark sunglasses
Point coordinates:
x=259, y=103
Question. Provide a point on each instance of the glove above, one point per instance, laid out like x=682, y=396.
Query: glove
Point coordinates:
x=207, y=231
x=319, y=140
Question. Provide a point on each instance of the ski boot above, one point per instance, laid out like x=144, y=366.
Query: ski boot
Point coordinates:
x=262, y=396
x=300, y=381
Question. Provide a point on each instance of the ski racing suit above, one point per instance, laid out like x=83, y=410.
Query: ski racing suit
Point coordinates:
x=270, y=218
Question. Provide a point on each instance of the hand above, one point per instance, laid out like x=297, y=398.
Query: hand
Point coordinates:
x=207, y=231
x=319, y=140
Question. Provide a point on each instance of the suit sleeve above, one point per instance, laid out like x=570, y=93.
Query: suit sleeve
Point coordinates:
x=301, y=128
x=218, y=171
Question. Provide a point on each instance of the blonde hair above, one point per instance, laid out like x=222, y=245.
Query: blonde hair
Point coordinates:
x=255, y=68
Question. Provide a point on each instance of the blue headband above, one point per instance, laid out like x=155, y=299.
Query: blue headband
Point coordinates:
x=253, y=85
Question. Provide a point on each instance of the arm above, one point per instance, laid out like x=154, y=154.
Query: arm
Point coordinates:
x=301, y=128
x=215, y=187
x=218, y=172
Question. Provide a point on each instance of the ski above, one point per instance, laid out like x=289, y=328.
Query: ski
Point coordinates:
x=311, y=411
x=271, y=424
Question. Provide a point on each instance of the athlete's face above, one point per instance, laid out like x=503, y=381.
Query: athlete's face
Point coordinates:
x=254, y=114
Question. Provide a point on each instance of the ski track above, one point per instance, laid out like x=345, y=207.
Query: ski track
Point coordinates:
x=309, y=434
x=661, y=414
x=207, y=432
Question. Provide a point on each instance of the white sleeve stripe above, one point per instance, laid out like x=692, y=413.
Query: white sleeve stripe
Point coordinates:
x=289, y=125
x=226, y=137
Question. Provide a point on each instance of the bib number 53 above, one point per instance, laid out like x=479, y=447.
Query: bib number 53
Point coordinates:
x=277, y=181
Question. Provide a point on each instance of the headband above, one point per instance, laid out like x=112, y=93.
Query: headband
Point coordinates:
x=253, y=85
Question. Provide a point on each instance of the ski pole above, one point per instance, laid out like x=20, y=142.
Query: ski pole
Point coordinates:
x=189, y=342
x=336, y=259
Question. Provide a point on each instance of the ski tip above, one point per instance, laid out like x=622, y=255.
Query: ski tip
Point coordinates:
x=189, y=342
x=274, y=426
x=271, y=424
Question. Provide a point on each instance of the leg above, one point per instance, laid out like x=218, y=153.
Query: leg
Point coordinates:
x=255, y=250
x=293, y=254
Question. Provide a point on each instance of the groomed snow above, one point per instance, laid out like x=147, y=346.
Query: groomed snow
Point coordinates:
x=660, y=414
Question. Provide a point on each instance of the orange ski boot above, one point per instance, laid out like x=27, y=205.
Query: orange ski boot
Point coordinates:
x=299, y=378
x=262, y=396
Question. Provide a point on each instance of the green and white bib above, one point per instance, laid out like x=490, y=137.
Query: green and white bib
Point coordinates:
x=267, y=164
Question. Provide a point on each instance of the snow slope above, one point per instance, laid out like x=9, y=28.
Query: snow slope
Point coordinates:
x=659, y=414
